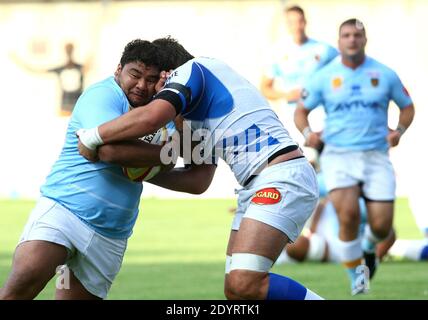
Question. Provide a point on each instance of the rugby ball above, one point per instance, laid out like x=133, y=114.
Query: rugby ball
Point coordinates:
x=159, y=137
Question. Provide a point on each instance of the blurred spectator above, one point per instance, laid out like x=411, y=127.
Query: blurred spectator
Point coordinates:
x=70, y=75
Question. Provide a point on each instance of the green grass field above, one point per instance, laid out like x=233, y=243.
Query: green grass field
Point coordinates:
x=178, y=247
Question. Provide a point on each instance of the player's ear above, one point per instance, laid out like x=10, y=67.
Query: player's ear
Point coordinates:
x=118, y=70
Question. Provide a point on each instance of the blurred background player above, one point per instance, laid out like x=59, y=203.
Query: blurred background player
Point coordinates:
x=71, y=76
x=415, y=250
x=355, y=91
x=295, y=59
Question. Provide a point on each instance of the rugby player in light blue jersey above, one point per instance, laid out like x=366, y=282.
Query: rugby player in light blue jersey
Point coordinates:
x=87, y=210
x=294, y=61
x=355, y=91
x=279, y=188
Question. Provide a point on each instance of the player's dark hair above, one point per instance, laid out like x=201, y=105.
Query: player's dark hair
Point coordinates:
x=141, y=51
x=295, y=9
x=353, y=22
x=171, y=53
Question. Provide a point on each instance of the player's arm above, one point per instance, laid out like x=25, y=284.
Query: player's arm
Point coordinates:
x=404, y=121
x=194, y=179
x=134, y=154
x=402, y=99
x=135, y=123
x=138, y=122
x=173, y=99
x=311, y=97
x=268, y=90
x=27, y=67
x=312, y=139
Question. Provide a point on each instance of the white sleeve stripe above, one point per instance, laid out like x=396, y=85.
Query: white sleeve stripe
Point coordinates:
x=170, y=89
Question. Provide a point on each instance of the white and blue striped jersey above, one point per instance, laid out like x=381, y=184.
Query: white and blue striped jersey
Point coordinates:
x=236, y=121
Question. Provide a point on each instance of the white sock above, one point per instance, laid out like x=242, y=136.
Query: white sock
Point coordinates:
x=310, y=295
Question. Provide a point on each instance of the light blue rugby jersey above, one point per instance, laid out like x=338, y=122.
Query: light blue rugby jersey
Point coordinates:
x=97, y=193
x=241, y=127
x=294, y=64
x=356, y=103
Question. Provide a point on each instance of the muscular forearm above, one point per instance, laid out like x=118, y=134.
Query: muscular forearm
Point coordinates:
x=268, y=90
x=195, y=179
x=138, y=122
x=273, y=94
x=301, y=118
x=135, y=154
x=406, y=116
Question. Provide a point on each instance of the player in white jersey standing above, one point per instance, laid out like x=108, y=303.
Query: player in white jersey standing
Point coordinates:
x=293, y=61
x=355, y=91
x=279, y=185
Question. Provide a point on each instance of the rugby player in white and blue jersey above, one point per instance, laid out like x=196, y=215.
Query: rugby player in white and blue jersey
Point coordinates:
x=87, y=210
x=355, y=91
x=279, y=185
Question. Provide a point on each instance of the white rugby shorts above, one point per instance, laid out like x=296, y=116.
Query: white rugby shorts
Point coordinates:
x=283, y=196
x=372, y=169
x=94, y=259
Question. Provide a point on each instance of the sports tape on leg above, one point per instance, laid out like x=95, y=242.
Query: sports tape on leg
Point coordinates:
x=249, y=261
x=228, y=263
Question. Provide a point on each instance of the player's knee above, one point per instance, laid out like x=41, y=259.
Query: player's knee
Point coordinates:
x=228, y=292
x=381, y=230
x=299, y=249
x=349, y=217
x=245, y=285
x=247, y=276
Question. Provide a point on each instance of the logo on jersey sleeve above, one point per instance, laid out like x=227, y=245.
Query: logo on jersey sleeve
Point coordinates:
x=337, y=82
x=374, y=81
x=266, y=196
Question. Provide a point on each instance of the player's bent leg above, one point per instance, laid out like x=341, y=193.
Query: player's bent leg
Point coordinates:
x=227, y=290
x=380, y=216
x=299, y=249
x=345, y=202
x=34, y=264
x=256, y=247
x=73, y=289
x=383, y=247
